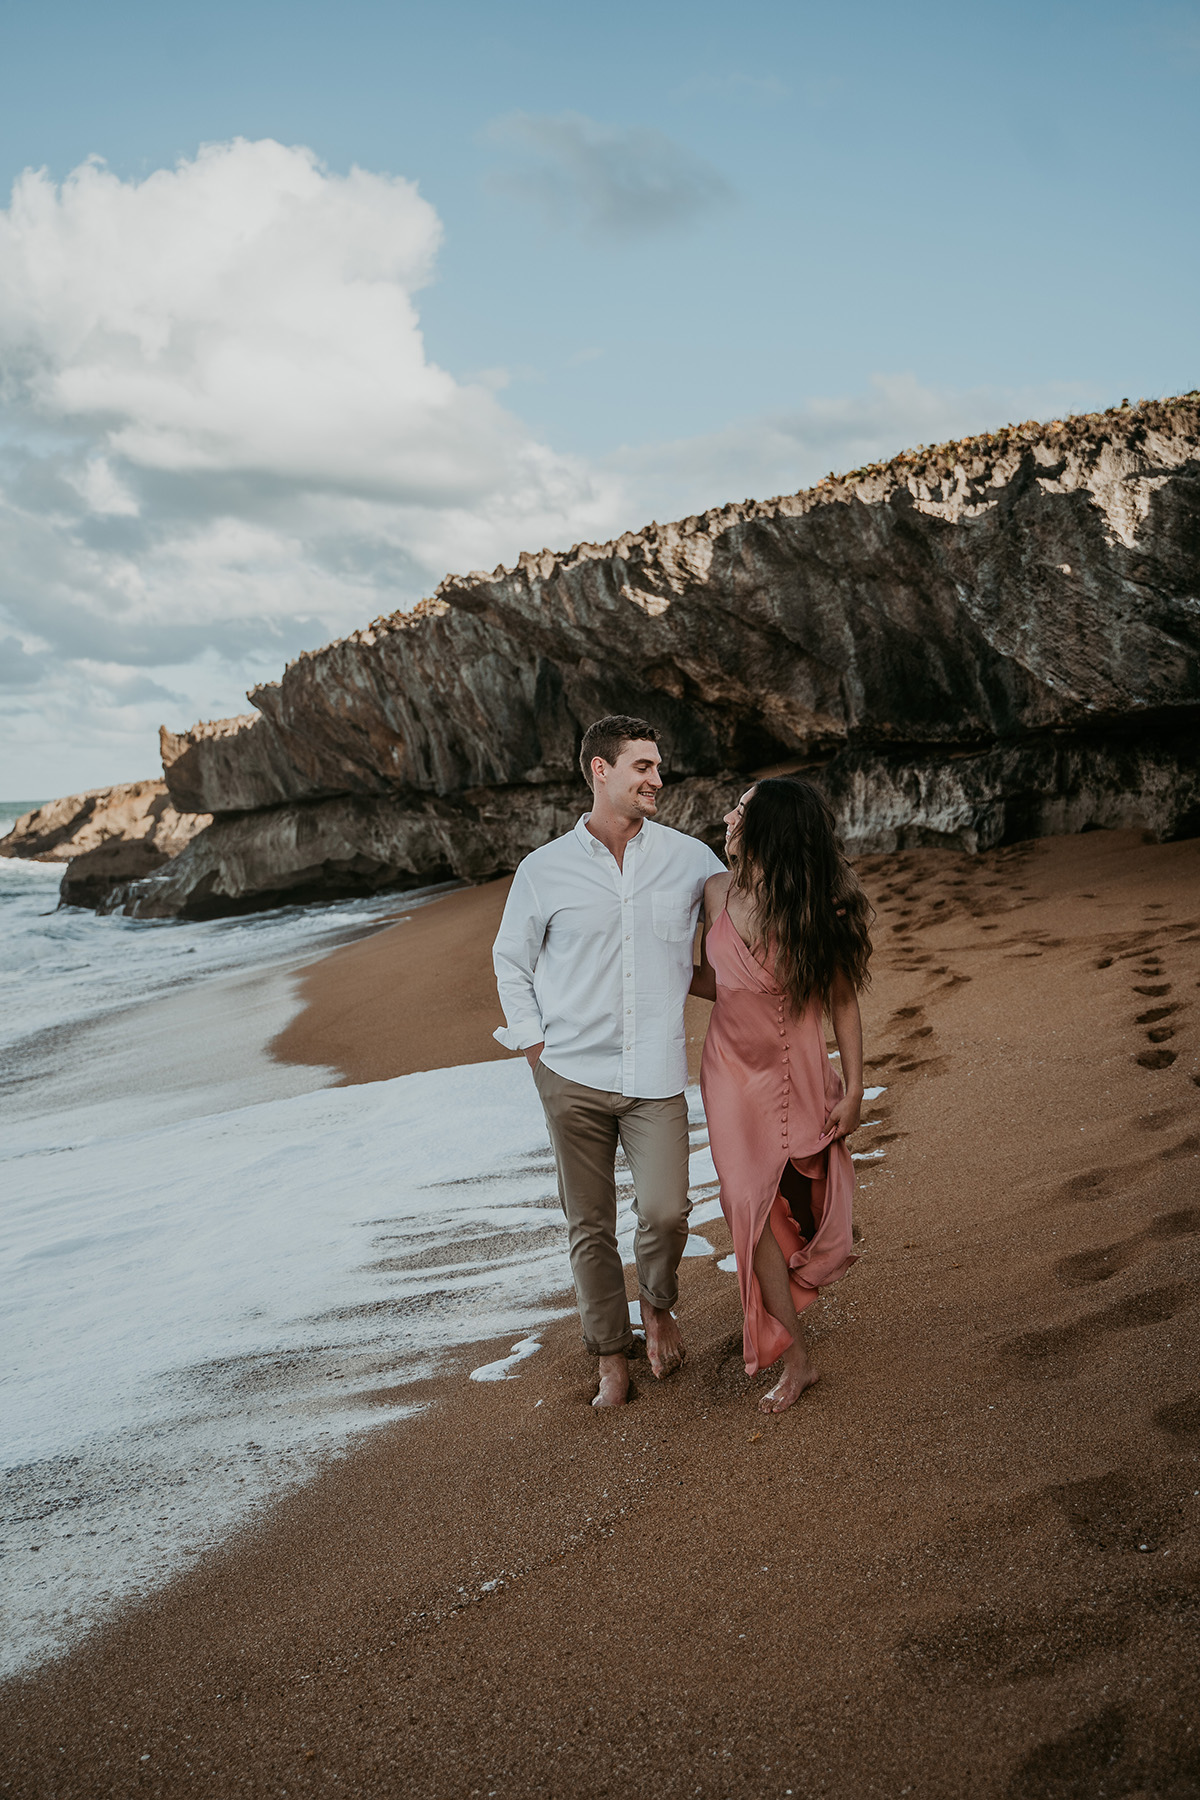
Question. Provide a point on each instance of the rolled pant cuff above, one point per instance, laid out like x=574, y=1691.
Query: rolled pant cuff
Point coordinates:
x=662, y=1302
x=617, y=1347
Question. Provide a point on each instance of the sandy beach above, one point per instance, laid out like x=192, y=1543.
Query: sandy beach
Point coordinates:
x=968, y=1563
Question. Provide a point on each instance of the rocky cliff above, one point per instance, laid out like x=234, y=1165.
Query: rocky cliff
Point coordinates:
x=975, y=641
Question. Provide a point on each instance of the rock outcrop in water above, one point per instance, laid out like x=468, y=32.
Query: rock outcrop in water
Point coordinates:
x=107, y=836
x=974, y=642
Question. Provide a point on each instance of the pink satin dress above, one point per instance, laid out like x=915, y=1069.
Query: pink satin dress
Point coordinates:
x=766, y=1078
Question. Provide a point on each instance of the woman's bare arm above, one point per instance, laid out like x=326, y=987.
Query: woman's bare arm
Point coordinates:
x=704, y=980
x=845, y=1116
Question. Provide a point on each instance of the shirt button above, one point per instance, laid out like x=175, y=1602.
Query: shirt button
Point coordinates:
x=629, y=1009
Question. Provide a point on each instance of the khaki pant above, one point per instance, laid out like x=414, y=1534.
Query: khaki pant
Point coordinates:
x=586, y=1126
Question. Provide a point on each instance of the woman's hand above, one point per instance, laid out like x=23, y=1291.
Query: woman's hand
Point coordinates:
x=844, y=1116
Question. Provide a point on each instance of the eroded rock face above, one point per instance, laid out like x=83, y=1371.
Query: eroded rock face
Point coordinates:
x=986, y=640
x=231, y=765
x=347, y=845
x=1041, y=786
x=92, y=879
x=140, y=812
x=1043, y=578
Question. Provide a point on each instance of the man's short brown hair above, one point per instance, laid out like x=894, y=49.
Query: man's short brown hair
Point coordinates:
x=608, y=737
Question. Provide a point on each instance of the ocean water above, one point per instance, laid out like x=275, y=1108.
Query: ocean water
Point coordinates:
x=215, y=1270
x=72, y=984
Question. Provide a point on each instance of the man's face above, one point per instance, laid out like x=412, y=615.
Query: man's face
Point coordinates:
x=631, y=784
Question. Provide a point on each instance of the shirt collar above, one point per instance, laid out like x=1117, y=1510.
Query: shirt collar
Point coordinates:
x=592, y=844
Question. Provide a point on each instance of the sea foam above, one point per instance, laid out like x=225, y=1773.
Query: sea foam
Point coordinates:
x=200, y=1311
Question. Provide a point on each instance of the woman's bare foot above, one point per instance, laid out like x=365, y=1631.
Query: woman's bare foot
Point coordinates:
x=664, y=1345
x=614, y=1380
x=798, y=1374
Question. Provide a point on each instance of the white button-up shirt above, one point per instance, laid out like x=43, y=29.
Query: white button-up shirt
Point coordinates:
x=595, y=961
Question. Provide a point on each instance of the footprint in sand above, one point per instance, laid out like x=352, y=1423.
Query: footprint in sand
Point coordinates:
x=1120, y=1510
x=1154, y=1013
x=1037, y=1350
x=918, y=1032
x=1082, y=1761
x=1088, y=1266
x=1112, y=1753
x=1161, y=1120
x=1094, y=1184
x=1089, y=1184
x=1023, y=1646
x=1157, y=1033
x=1180, y=1418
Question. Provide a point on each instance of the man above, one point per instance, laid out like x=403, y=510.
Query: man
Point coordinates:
x=593, y=961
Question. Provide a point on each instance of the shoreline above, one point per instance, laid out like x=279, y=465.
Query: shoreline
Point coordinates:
x=930, y=1573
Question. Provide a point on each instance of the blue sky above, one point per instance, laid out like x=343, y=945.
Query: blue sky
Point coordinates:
x=657, y=257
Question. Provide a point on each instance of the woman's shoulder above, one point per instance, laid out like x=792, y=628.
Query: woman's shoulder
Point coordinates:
x=715, y=890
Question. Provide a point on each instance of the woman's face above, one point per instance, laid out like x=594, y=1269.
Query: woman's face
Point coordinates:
x=733, y=826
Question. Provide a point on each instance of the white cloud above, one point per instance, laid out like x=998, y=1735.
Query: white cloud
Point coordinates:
x=224, y=439
x=224, y=443
x=606, y=181
x=102, y=490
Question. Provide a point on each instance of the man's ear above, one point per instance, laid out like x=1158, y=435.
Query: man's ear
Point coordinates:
x=599, y=768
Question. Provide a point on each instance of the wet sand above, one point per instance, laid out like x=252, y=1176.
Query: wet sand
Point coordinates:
x=968, y=1563
x=419, y=994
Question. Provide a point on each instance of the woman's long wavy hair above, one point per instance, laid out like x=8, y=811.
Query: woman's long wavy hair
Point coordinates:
x=809, y=908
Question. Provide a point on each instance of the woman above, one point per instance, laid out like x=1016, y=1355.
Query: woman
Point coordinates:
x=785, y=939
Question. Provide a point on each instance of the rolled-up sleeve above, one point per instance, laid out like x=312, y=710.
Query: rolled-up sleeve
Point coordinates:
x=514, y=957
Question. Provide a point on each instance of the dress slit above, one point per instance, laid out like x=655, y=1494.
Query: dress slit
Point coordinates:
x=805, y=1216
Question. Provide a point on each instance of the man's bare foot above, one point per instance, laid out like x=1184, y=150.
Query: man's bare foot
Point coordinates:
x=664, y=1345
x=614, y=1380
x=798, y=1374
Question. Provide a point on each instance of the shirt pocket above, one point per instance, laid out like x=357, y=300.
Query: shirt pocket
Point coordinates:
x=672, y=911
